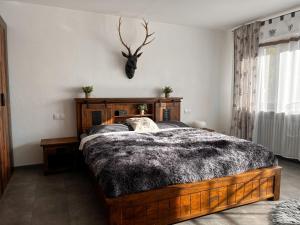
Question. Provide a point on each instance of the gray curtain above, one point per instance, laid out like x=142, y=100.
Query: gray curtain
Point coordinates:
x=246, y=43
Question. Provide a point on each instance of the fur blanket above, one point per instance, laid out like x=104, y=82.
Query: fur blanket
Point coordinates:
x=130, y=162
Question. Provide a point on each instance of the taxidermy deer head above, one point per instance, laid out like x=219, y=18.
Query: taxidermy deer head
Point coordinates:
x=130, y=66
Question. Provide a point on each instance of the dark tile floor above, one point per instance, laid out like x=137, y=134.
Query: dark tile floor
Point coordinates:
x=62, y=199
x=70, y=199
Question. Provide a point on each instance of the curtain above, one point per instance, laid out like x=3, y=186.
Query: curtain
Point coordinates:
x=277, y=124
x=246, y=42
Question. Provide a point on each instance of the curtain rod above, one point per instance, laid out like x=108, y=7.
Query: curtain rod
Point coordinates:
x=281, y=17
x=264, y=19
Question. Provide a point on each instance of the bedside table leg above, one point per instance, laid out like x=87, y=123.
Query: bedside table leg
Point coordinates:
x=45, y=155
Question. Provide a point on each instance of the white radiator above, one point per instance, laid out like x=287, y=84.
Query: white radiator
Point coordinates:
x=279, y=132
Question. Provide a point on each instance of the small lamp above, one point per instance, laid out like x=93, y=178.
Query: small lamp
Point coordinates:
x=199, y=124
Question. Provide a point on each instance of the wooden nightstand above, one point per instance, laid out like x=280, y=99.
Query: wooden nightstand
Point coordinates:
x=60, y=154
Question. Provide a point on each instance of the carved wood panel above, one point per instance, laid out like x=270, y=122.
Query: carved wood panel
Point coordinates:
x=168, y=111
x=194, y=204
x=95, y=114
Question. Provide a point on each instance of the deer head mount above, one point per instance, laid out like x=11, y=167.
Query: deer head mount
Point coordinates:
x=130, y=66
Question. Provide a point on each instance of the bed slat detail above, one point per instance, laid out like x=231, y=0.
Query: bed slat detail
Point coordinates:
x=204, y=200
x=255, y=191
x=174, y=207
x=239, y=192
x=185, y=205
x=248, y=191
x=214, y=198
x=223, y=196
x=270, y=186
x=231, y=194
x=263, y=187
x=152, y=211
x=195, y=203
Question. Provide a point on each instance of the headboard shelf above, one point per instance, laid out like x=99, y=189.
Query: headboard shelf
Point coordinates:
x=95, y=111
x=126, y=100
x=135, y=115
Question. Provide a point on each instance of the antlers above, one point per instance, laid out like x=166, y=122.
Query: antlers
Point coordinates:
x=119, y=29
x=145, y=42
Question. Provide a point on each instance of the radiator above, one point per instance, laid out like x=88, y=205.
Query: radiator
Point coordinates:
x=279, y=132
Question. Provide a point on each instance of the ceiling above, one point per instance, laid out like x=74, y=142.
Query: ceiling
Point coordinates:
x=214, y=14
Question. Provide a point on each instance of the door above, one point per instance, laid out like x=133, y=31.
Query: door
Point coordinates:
x=4, y=112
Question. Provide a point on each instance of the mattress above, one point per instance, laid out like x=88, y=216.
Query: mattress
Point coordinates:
x=128, y=162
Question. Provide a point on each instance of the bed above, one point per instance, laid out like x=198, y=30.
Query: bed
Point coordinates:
x=176, y=173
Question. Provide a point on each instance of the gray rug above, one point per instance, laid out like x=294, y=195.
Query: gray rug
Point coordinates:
x=286, y=212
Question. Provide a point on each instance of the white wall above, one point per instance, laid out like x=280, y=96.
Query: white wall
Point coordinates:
x=226, y=82
x=54, y=51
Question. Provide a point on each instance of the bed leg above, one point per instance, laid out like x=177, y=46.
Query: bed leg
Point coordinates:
x=276, y=189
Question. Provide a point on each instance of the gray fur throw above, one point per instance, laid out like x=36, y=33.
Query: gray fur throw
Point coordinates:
x=131, y=162
x=286, y=212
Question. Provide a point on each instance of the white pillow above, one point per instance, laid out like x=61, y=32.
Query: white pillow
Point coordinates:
x=142, y=124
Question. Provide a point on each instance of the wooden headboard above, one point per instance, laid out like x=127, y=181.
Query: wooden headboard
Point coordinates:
x=95, y=111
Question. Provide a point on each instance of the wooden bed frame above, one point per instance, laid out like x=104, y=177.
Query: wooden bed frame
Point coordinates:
x=181, y=202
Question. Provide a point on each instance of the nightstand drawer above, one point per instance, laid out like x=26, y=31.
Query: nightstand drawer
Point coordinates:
x=50, y=150
x=60, y=149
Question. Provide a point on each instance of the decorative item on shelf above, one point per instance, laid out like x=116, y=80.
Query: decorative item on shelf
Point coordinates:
x=132, y=58
x=167, y=90
x=121, y=112
x=87, y=91
x=166, y=114
x=142, y=108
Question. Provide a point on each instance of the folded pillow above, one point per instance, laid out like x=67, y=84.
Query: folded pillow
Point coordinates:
x=170, y=124
x=142, y=124
x=108, y=128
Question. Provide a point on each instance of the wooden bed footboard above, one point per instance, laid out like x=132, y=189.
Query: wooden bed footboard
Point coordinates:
x=181, y=202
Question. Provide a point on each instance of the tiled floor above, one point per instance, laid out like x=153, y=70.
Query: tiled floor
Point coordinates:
x=70, y=199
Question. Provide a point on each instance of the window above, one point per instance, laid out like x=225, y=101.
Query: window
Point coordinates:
x=277, y=123
x=279, y=78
